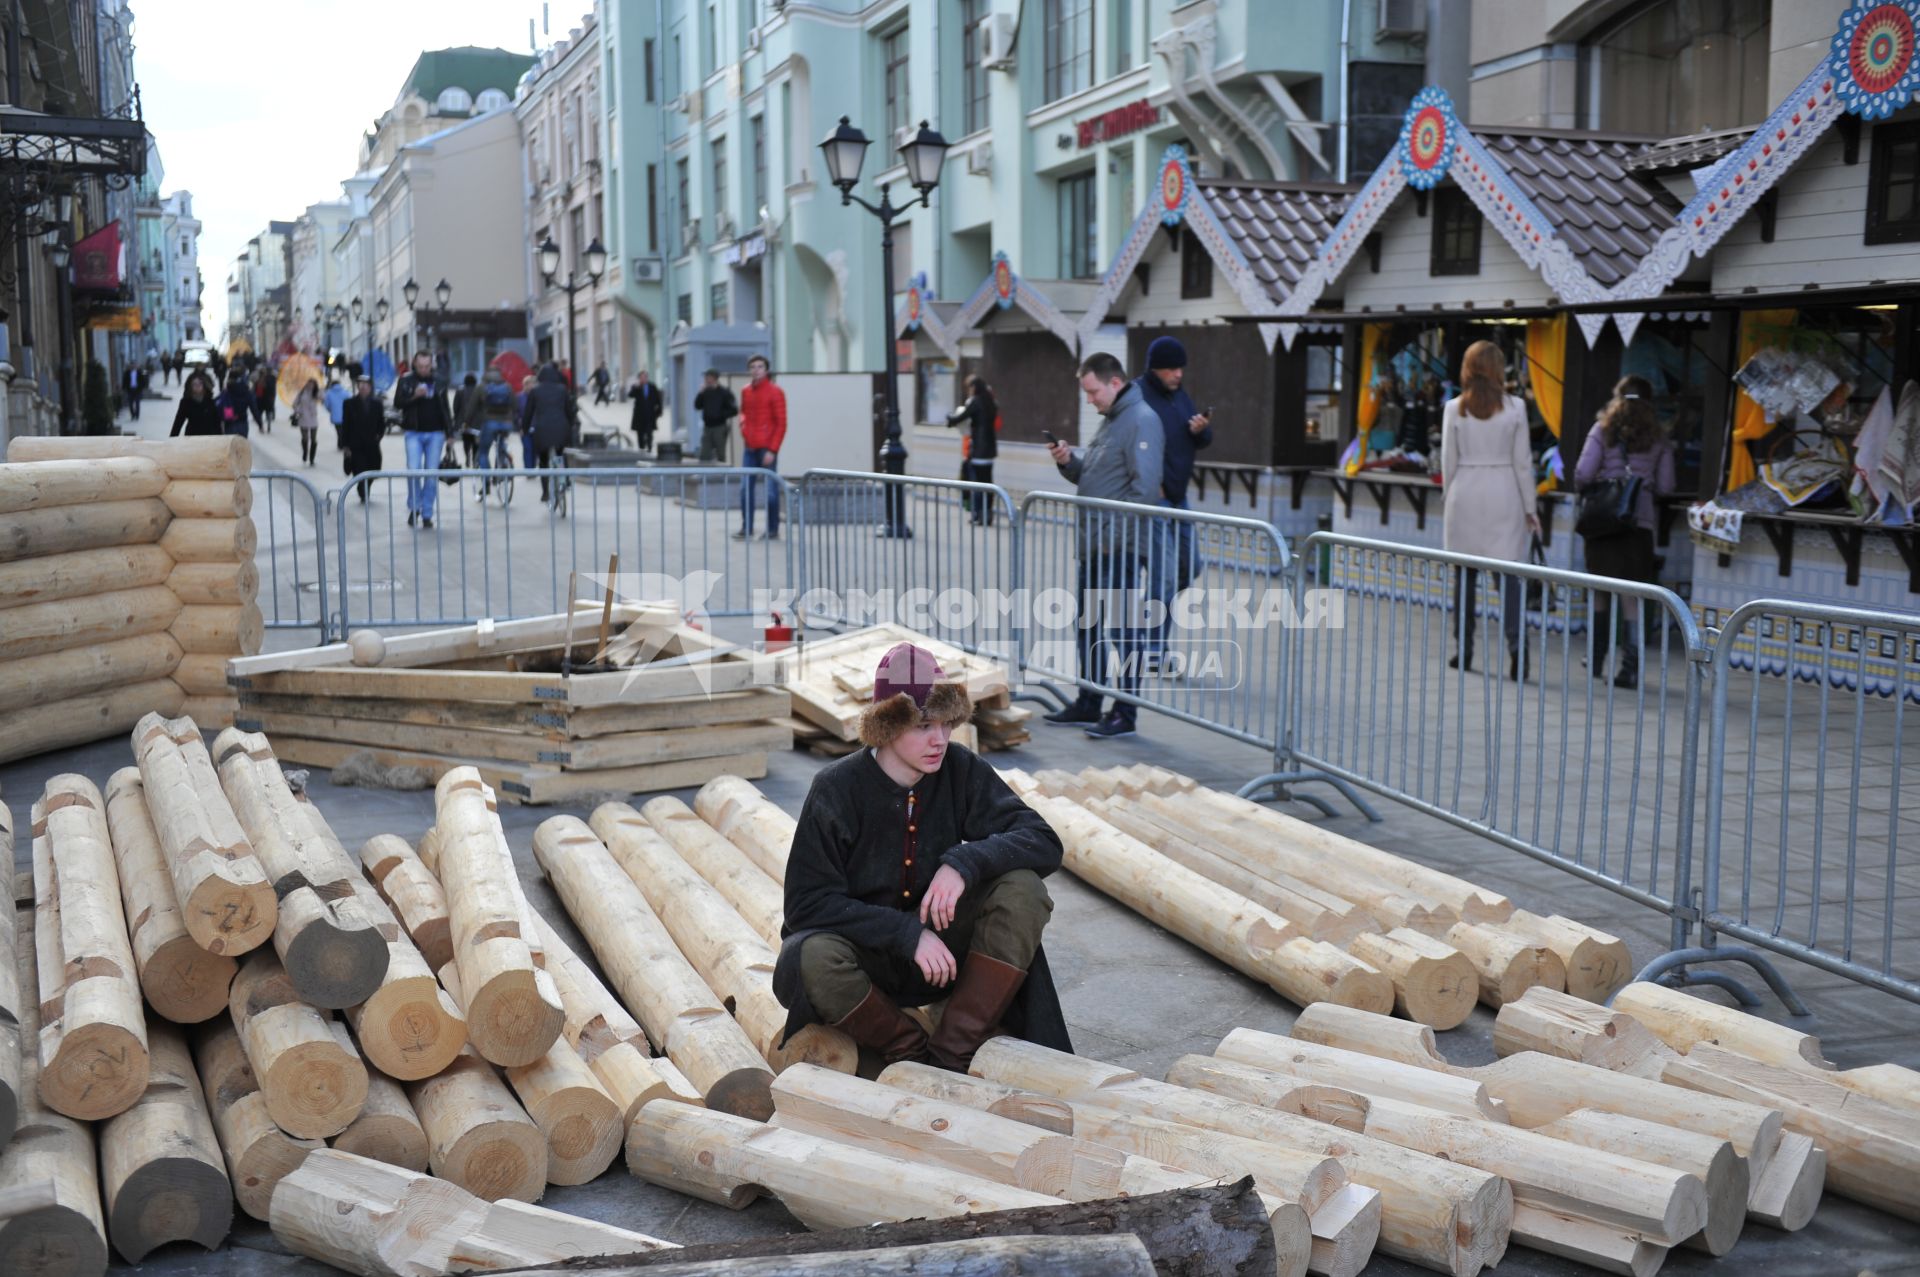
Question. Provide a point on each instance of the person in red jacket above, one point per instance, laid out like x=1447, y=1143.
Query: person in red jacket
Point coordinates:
x=763, y=428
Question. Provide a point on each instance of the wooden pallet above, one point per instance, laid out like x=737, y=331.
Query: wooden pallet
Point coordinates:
x=832, y=680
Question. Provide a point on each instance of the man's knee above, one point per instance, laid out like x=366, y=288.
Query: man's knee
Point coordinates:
x=830, y=973
x=1014, y=909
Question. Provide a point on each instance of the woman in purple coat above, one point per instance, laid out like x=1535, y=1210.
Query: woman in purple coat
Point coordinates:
x=1626, y=441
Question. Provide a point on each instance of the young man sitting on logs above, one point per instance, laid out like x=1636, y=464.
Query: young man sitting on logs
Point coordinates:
x=915, y=875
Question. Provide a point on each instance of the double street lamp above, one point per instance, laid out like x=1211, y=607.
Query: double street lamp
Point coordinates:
x=925, y=155
x=379, y=315
x=596, y=264
x=442, y=294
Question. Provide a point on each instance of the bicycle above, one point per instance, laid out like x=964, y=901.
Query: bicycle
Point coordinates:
x=561, y=487
x=500, y=489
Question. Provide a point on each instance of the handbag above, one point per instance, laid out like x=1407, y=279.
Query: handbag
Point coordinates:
x=1607, y=507
x=448, y=461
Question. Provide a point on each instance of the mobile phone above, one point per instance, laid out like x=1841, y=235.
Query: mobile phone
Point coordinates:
x=1048, y=436
x=1208, y=414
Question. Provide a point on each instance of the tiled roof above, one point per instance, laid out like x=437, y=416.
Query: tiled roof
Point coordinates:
x=1606, y=214
x=1279, y=226
x=469, y=67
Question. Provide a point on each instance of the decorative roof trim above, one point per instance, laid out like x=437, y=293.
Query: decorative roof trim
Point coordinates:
x=915, y=315
x=1005, y=288
x=1177, y=198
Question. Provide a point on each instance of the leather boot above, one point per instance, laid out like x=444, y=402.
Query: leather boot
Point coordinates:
x=980, y=997
x=884, y=1028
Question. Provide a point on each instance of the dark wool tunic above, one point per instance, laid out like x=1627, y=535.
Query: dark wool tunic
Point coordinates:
x=847, y=874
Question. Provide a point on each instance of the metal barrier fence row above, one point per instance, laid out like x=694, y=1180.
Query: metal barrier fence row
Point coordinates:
x=1375, y=667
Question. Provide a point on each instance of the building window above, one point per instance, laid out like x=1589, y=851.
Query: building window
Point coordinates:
x=749, y=19
x=1122, y=36
x=1893, y=185
x=973, y=78
x=683, y=308
x=1671, y=69
x=676, y=68
x=712, y=41
x=1196, y=267
x=653, y=208
x=1068, y=54
x=757, y=135
x=718, y=164
x=717, y=303
x=683, y=191
x=893, y=54
x=646, y=68
x=577, y=238
x=1079, y=222
x=1456, y=232
x=1324, y=385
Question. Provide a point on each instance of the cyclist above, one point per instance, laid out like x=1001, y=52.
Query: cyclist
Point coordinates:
x=490, y=411
x=551, y=418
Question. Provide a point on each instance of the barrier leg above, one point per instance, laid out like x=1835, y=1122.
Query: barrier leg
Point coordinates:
x=1278, y=781
x=1677, y=966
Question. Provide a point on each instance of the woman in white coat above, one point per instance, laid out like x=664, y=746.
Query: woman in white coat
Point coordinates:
x=1486, y=469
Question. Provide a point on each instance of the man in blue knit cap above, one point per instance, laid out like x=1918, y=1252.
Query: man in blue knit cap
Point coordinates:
x=1187, y=431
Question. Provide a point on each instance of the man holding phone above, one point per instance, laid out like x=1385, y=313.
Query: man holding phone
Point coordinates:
x=1123, y=463
x=427, y=420
x=1187, y=430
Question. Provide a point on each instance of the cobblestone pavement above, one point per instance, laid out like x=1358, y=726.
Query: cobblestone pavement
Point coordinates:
x=1137, y=996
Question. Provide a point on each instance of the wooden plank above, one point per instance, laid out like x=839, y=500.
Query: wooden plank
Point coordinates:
x=429, y=647
x=409, y=685
x=532, y=786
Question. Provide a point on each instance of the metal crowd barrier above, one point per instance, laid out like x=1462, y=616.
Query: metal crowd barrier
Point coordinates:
x=290, y=522
x=1182, y=612
x=939, y=555
x=498, y=549
x=1561, y=765
x=1804, y=791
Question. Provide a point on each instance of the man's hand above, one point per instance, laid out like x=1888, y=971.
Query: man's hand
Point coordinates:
x=1533, y=524
x=1198, y=422
x=935, y=960
x=1060, y=453
x=943, y=893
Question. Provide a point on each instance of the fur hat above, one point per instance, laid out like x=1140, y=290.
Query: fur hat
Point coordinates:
x=908, y=691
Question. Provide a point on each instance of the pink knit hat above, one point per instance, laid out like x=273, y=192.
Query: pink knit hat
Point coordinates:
x=908, y=689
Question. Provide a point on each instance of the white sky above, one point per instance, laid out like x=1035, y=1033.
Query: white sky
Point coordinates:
x=258, y=108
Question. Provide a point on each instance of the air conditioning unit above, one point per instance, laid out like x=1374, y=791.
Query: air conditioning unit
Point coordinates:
x=1401, y=20
x=980, y=160
x=994, y=42
x=687, y=104
x=690, y=233
x=647, y=270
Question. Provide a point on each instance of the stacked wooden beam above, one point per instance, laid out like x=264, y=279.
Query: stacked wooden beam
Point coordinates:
x=541, y=707
x=831, y=681
x=126, y=583
x=1863, y=1124
x=1442, y=943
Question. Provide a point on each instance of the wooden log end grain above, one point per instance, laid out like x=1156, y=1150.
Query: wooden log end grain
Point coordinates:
x=334, y=967
x=54, y=1240
x=478, y=1136
x=410, y=1028
x=583, y=1125
x=209, y=498
x=743, y=1093
x=515, y=1017
x=160, y=1161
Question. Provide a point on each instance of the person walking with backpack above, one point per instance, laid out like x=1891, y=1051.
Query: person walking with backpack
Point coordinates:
x=763, y=428
x=491, y=413
x=1626, y=447
x=463, y=416
x=427, y=421
x=236, y=404
x=551, y=419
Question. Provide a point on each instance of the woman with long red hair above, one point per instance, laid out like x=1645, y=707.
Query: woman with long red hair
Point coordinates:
x=1486, y=467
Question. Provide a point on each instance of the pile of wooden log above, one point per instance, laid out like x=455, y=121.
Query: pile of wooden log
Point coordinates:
x=609, y=698
x=126, y=583
x=831, y=681
x=1315, y=915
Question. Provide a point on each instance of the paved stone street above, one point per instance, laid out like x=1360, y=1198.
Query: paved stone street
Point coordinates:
x=1133, y=994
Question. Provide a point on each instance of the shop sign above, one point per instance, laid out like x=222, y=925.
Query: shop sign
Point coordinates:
x=1118, y=123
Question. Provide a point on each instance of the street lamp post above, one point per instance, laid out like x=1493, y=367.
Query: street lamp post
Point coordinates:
x=845, y=150
x=336, y=318
x=442, y=295
x=61, y=254
x=596, y=262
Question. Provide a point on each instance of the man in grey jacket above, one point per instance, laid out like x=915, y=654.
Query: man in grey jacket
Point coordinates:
x=1123, y=463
